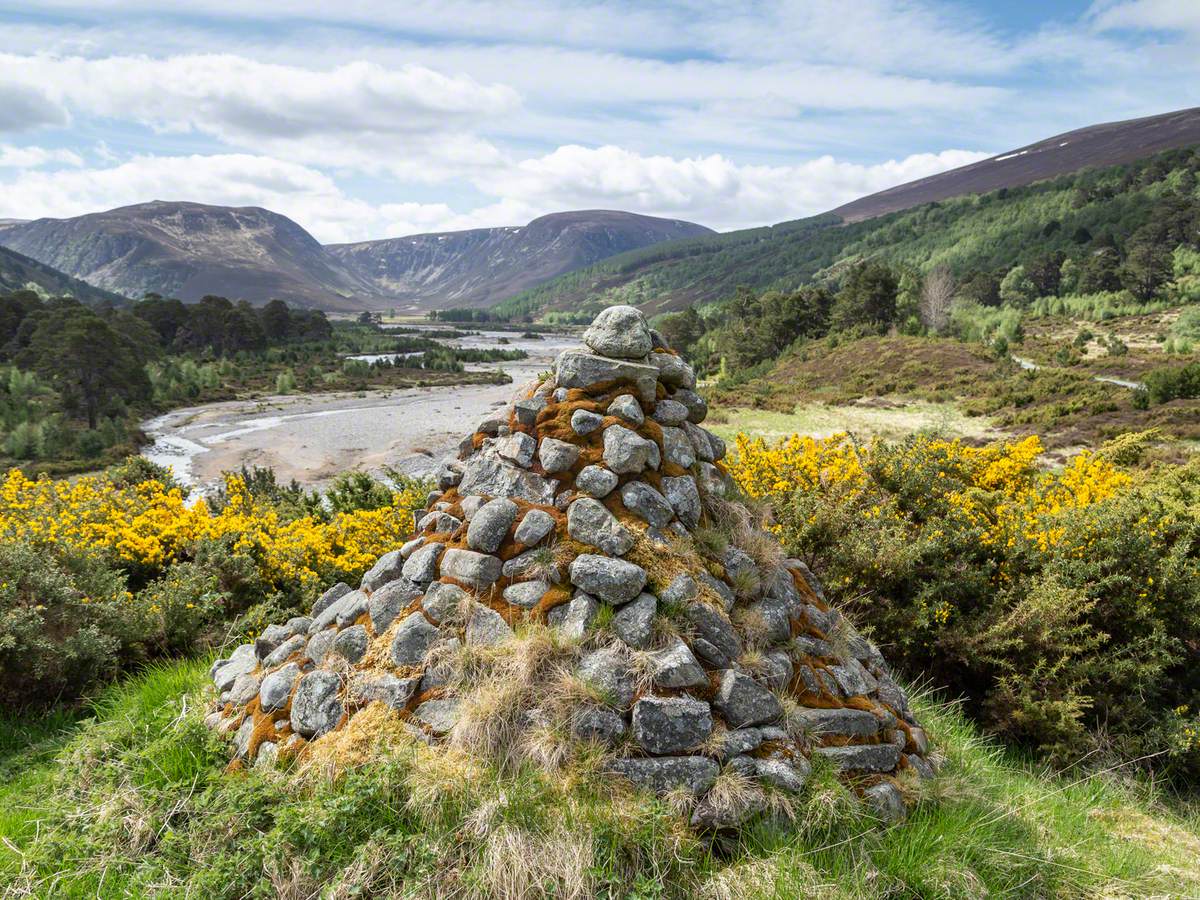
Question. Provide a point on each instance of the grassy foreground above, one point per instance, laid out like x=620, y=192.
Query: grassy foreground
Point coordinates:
x=135, y=801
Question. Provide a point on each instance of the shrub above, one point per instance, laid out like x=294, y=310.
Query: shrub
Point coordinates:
x=1173, y=383
x=66, y=621
x=1064, y=604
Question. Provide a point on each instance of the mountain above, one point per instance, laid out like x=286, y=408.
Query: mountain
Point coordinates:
x=1097, y=145
x=18, y=271
x=187, y=250
x=485, y=265
x=710, y=268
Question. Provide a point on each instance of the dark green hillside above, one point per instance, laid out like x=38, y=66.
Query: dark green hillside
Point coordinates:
x=1071, y=214
x=18, y=272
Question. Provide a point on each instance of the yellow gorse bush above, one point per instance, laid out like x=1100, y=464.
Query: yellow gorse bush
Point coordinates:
x=999, y=489
x=150, y=526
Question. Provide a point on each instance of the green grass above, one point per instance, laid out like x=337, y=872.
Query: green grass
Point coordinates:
x=135, y=801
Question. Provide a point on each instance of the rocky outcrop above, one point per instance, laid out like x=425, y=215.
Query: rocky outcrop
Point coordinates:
x=580, y=500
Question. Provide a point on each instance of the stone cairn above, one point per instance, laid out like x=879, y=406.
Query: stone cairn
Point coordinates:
x=577, y=507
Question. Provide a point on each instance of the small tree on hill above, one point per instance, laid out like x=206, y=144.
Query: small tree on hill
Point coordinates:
x=937, y=296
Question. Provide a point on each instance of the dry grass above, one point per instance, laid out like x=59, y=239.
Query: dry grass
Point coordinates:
x=518, y=863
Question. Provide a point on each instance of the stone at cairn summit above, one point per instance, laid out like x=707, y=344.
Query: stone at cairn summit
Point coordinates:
x=584, y=494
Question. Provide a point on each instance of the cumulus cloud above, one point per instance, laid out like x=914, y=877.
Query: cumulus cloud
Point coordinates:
x=357, y=114
x=710, y=189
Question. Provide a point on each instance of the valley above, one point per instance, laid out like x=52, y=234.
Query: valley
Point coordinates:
x=311, y=438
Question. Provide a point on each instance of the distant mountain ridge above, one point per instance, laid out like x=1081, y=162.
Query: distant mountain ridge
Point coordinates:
x=711, y=268
x=484, y=265
x=1108, y=144
x=187, y=250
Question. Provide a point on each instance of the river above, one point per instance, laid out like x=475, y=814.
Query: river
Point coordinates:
x=313, y=437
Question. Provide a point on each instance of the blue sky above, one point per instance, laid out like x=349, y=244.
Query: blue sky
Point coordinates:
x=366, y=119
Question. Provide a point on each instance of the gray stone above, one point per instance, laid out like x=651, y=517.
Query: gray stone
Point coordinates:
x=615, y=581
x=862, y=757
x=413, y=639
x=421, y=567
x=532, y=561
x=885, y=802
x=920, y=766
x=449, y=474
x=490, y=525
x=697, y=408
x=492, y=476
x=584, y=421
x=518, y=448
x=277, y=687
x=743, y=701
x=700, y=440
x=556, y=455
x=442, y=600
x=850, y=679
x=337, y=592
x=814, y=583
x=329, y=614
x=527, y=410
x=718, y=446
x=486, y=627
x=535, y=525
x=578, y=369
x=739, y=741
x=670, y=412
x=596, y=481
x=597, y=723
x=471, y=505
x=319, y=644
x=244, y=689
x=589, y=522
x=574, y=617
x=738, y=563
x=387, y=602
x=627, y=452
x=609, y=671
x=783, y=774
x=270, y=638
x=771, y=621
x=353, y=605
x=671, y=724
x=299, y=624
x=439, y=715
x=673, y=371
x=642, y=500
x=479, y=570
x=634, y=622
x=720, y=588
x=676, y=667
x=526, y=594
x=677, y=448
x=627, y=407
x=777, y=670
x=721, y=644
x=316, y=708
x=437, y=523
x=681, y=589
x=710, y=480
x=665, y=774
x=241, y=740
x=492, y=425
x=280, y=654
x=387, y=689
x=620, y=332
x=890, y=693
x=819, y=722
x=351, y=644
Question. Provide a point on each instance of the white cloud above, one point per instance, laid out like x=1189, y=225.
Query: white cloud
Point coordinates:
x=711, y=189
x=358, y=114
x=1164, y=15
x=35, y=157
x=24, y=107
